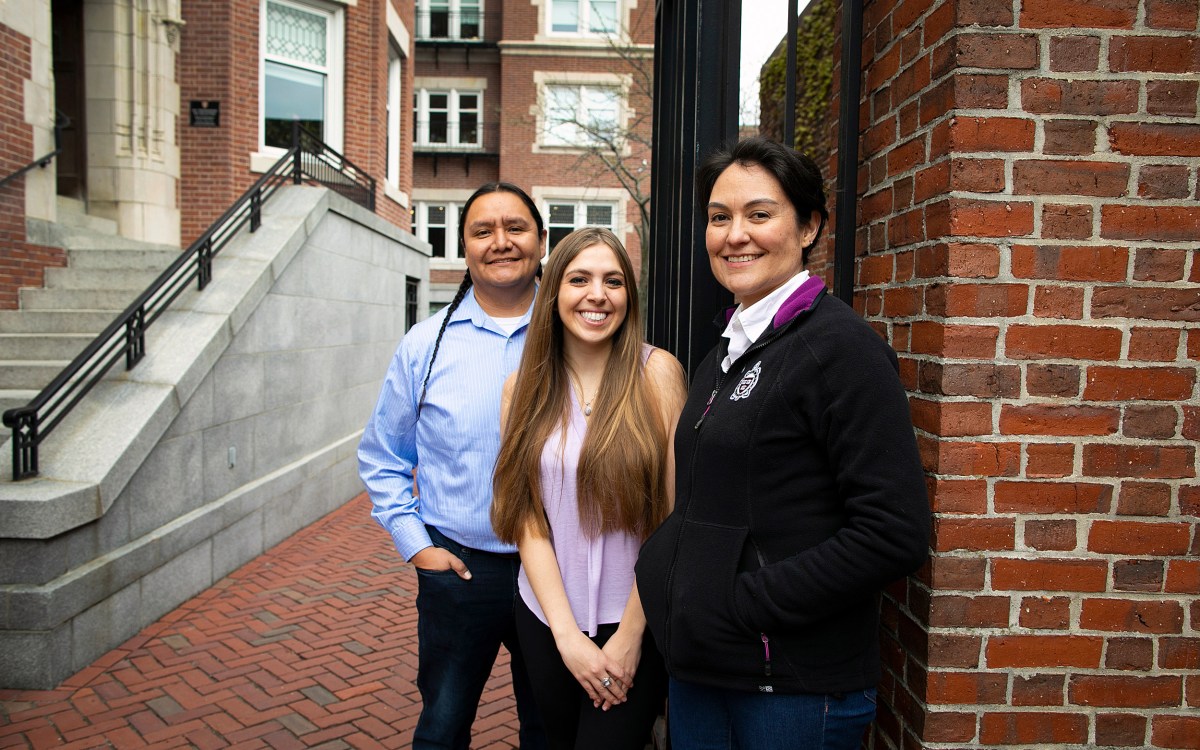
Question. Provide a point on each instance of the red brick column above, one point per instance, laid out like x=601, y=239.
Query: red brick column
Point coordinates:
x=21, y=263
x=1028, y=244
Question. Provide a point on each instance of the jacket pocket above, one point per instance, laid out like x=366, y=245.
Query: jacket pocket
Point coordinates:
x=705, y=631
x=653, y=571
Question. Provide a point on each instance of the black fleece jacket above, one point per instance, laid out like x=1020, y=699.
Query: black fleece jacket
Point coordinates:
x=799, y=496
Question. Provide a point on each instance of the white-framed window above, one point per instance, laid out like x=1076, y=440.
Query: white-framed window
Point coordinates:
x=564, y=216
x=395, y=108
x=579, y=114
x=448, y=118
x=584, y=17
x=449, y=19
x=436, y=222
x=301, y=73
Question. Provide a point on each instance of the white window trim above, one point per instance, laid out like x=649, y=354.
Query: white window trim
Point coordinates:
x=544, y=195
x=543, y=79
x=454, y=119
x=395, y=110
x=454, y=89
x=455, y=10
x=266, y=156
x=545, y=9
x=454, y=204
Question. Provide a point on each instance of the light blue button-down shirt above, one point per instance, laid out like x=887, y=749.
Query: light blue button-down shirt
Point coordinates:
x=456, y=439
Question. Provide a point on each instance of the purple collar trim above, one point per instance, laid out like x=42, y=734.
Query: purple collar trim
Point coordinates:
x=801, y=300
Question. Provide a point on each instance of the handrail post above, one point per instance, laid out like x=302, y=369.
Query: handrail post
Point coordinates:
x=25, y=444
x=135, y=338
x=255, y=210
x=204, y=259
x=298, y=165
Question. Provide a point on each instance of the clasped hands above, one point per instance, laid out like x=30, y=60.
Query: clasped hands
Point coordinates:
x=606, y=674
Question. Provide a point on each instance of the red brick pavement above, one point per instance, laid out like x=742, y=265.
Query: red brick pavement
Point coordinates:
x=313, y=644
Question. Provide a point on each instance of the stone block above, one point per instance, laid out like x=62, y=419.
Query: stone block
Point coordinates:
x=111, y=621
x=233, y=546
x=169, y=484
x=175, y=582
x=35, y=660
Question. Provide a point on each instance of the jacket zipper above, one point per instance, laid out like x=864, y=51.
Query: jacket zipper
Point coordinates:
x=722, y=375
x=720, y=382
x=766, y=642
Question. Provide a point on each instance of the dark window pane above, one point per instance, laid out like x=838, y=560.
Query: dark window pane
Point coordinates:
x=468, y=128
x=437, y=238
x=439, y=126
x=562, y=213
x=557, y=233
x=292, y=94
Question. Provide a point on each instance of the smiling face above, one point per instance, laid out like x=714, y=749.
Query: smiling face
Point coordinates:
x=593, y=296
x=754, y=238
x=502, y=246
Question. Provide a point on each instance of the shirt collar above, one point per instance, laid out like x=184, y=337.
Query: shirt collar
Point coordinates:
x=471, y=310
x=755, y=318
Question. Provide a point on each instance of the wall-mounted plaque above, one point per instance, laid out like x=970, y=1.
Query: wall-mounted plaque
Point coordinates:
x=205, y=114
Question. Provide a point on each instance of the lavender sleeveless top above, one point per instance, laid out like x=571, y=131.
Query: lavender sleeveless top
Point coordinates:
x=597, y=573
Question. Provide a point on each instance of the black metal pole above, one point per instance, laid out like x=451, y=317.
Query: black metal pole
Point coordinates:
x=847, y=161
x=696, y=104
x=789, y=108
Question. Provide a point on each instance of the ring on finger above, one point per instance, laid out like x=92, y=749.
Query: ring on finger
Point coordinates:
x=606, y=682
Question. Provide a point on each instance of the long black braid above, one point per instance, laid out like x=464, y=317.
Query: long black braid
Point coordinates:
x=465, y=286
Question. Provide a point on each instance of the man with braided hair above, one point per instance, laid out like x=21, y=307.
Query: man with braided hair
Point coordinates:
x=440, y=408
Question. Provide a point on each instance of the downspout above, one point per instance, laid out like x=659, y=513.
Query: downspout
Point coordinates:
x=847, y=161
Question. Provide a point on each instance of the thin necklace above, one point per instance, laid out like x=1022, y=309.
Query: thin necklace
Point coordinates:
x=587, y=402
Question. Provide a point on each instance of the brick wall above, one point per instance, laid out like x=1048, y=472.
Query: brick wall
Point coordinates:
x=219, y=60
x=21, y=263
x=1028, y=242
x=511, y=102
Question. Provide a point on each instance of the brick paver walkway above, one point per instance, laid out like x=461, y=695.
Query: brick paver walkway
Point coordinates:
x=313, y=644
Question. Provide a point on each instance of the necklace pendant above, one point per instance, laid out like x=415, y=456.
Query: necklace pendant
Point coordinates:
x=587, y=410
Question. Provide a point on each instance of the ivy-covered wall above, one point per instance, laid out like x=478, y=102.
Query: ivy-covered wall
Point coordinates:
x=814, y=81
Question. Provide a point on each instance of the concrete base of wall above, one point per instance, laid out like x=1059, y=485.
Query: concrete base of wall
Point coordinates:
x=230, y=436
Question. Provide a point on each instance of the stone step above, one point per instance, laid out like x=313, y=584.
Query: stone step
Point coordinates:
x=11, y=398
x=59, y=234
x=73, y=213
x=100, y=279
x=55, y=321
x=29, y=374
x=121, y=258
x=42, y=346
x=77, y=299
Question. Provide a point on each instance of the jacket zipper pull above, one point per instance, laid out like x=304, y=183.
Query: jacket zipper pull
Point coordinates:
x=706, y=408
x=766, y=654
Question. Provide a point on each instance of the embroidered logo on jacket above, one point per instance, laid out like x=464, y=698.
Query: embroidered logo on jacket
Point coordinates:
x=747, y=383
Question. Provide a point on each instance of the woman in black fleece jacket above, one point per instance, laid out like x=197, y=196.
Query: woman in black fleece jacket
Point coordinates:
x=799, y=488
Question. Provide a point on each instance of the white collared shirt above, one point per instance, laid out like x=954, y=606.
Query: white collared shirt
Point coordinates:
x=748, y=323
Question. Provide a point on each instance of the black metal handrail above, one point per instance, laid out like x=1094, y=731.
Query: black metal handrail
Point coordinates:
x=308, y=159
x=60, y=122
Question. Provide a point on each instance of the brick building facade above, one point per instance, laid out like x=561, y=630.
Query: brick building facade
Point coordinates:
x=1027, y=242
x=525, y=92
x=168, y=122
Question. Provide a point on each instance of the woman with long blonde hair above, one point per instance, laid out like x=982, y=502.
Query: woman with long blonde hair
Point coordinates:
x=581, y=480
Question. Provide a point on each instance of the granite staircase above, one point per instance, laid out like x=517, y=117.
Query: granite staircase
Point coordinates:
x=104, y=273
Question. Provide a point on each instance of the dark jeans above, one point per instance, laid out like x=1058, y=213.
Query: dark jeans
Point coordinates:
x=705, y=718
x=572, y=722
x=460, y=626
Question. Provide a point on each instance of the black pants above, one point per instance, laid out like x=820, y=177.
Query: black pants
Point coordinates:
x=570, y=720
